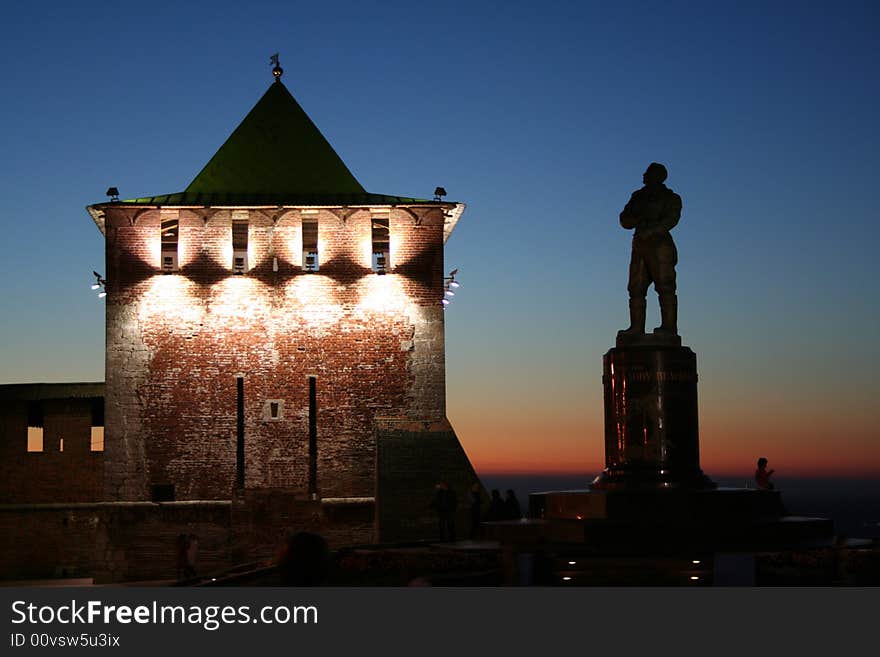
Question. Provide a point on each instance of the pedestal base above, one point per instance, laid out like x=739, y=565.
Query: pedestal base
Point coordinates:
x=640, y=521
x=635, y=478
x=644, y=506
x=651, y=427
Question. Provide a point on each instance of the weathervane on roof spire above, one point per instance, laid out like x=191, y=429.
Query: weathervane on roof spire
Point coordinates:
x=277, y=71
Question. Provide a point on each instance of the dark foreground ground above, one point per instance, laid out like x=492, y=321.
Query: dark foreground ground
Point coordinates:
x=485, y=563
x=835, y=562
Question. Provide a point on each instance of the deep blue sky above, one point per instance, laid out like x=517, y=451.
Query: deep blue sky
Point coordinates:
x=541, y=116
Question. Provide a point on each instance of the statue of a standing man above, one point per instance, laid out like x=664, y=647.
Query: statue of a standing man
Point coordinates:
x=653, y=211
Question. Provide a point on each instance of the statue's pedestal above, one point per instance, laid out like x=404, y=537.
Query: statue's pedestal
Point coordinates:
x=651, y=417
x=646, y=520
x=652, y=494
x=652, y=506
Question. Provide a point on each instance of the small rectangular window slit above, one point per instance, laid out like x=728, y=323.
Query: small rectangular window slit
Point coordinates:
x=239, y=431
x=96, y=439
x=313, y=437
x=273, y=410
x=35, y=427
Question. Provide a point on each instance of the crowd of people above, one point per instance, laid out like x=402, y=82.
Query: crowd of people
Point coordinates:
x=445, y=503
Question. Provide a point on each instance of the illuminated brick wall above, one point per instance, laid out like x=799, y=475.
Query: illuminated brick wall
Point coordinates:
x=176, y=343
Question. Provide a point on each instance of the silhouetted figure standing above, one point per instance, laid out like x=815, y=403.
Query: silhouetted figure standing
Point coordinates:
x=476, y=510
x=182, y=544
x=192, y=554
x=762, y=475
x=652, y=211
x=304, y=560
x=496, y=507
x=444, y=504
x=511, y=506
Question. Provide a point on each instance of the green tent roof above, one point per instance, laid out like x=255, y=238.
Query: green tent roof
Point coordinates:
x=277, y=157
x=275, y=151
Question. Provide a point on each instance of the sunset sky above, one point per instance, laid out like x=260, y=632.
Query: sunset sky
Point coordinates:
x=541, y=116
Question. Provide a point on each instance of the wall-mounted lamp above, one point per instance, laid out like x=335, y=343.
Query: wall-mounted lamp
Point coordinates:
x=100, y=284
x=448, y=287
x=311, y=261
x=381, y=263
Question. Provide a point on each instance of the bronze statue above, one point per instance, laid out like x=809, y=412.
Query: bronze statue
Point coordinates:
x=653, y=211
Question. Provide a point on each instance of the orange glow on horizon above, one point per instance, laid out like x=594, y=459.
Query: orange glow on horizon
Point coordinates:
x=552, y=441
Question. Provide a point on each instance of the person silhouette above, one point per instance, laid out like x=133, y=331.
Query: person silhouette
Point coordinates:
x=476, y=510
x=444, y=504
x=304, y=560
x=182, y=544
x=496, y=507
x=192, y=554
x=762, y=475
x=512, y=510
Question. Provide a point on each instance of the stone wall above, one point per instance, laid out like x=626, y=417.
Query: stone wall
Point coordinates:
x=177, y=342
x=111, y=542
x=411, y=457
x=136, y=541
x=51, y=475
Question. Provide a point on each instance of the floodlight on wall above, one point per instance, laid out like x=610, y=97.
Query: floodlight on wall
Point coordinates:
x=311, y=261
x=439, y=193
x=381, y=263
x=100, y=284
x=448, y=287
x=113, y=193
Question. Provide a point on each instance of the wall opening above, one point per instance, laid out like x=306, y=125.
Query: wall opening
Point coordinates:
x=239, y=247
x=96, y=439
x=310, y=244
x=239, y=434
x=381, y=252
x=273, y=410
x=170, y=231
x=34, y=427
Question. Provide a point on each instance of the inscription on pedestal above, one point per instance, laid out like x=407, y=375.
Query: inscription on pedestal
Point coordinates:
x=651, y=423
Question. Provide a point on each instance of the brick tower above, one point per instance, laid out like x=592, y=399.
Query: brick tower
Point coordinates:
x=275, y=327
